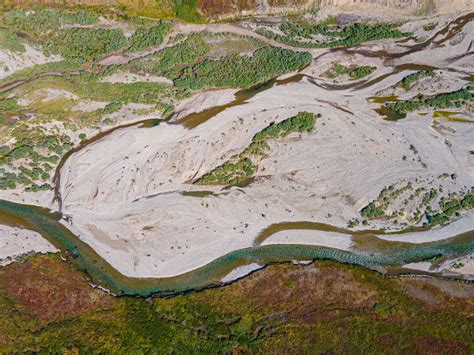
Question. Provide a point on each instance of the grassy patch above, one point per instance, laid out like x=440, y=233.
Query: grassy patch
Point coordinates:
x=187, y=10
x=37, y=70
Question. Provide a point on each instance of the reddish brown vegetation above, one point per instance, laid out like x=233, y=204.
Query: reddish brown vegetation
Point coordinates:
x=306, y=294
x=50, y=289
x=225, y=7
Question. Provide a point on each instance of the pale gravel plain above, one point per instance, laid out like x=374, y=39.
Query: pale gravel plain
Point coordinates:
x=124, y=192
x=15, y=242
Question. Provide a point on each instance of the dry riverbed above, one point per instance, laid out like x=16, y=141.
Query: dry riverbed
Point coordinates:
x=124, y=193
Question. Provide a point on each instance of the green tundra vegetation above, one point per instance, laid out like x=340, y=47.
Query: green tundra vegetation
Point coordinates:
x=49, y=94
x=171, y=60
x=186, y=10
x=328, y=34
x=87, y=43
x=30, y=73
x=455, y=99
x=408, y=81
x=241, y=167
x=40, y=23
x=238, y=71
x=354, y=72
x=42, y=154
x=192, y=62
x=144, y=38
x=49, y=307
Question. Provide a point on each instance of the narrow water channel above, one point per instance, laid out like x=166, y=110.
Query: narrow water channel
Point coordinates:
x=374, y=253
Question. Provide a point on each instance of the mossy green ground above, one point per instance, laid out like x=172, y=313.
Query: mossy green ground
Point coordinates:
x=47, y=306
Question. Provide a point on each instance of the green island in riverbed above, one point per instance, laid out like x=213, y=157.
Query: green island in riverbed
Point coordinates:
x=241, y=167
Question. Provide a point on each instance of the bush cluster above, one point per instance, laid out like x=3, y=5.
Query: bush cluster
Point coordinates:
x=450, y=208
x=303, y=34
x=410, y=79
x=353, y=72
x=238, y=71
x=440, y=101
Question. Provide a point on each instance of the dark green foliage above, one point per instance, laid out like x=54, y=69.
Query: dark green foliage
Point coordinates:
x=36, y=188
x=440, y=101
x=170, y=60
x=450, y=208
x=302, y=34
x=229, y=173
x=41, y=21
x=87, y=43
x=40, y=153
x=242, y=167
x=302, y=122
x=189, y=66
x=410, y=79
x=147, y=37
x=353, y=72
x=360, y=72
x=372, y=211
x=242, y=71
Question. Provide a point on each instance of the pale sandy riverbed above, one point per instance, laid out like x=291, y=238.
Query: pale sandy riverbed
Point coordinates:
x=15, y=242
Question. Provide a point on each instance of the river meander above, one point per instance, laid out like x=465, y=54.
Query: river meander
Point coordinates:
x=372, y=253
